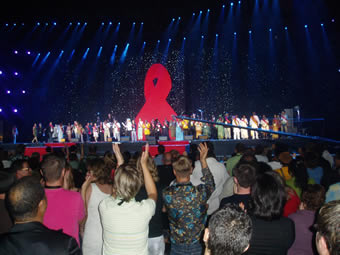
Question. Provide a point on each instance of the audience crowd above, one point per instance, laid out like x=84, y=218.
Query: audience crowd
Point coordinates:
x=262, y=200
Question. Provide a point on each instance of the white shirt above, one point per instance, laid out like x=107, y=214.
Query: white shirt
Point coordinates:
x=126, y=226
x=275, y=165
x=261, y=158
x=253, y=123
x=220, y=175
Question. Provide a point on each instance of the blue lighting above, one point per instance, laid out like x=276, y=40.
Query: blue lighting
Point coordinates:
x=15, y=52
x=142, y=23
x=14, y=24
x=208, y=10
x=0, y=72
x=235, y=33
x=223, y=6
x=118, y=23
x=110, y=23
x=173, y=19
x=249, y=31
x=23, y=92
x=193, y=14
x=70, y=23
x=100, y=51
x=169, y=40
x=231, y=4
x=270, y=29
x=86, y=52
x=15, y=110
x=16, y=73
x=158, y=41
x=202, y=36
x=322, y=24
x=239, y=2
x=134, y=23
x=0, y=110
x=179, y=18
x=333, y=20
x=184, y=38
x=144, y=43
x=216, y=35
x=78, y=23
x=85, y=24
x=200, y=12
x=28, y=53
x=23, y=24
x=103, y=23
x=306, y=26
x=54, y=23
x=46, y=24
x=38, y=24
x=8, y=92
x=286, y=28
x=6, y=25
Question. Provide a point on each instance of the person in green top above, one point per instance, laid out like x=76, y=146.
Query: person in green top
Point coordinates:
x=220, y=128
x=231, y=162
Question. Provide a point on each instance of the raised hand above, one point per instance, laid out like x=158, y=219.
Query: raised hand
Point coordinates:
x=118, y=154
x=145, y=155
x=203, y=149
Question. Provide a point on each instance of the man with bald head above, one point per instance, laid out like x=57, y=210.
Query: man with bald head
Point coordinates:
x=26, y=203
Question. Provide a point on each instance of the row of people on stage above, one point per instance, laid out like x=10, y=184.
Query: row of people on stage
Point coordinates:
x=112, y=130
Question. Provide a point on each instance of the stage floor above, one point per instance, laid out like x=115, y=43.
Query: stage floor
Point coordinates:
x=222, y=147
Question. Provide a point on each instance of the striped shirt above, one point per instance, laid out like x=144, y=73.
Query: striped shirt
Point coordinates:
x=126, y=226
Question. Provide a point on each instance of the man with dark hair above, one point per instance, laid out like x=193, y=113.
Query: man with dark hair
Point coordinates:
x=159, y=157
x=219, y=173
x=6, y=181
x=26, y=203
x=328, y=225
x=231, y=162
x=244, y=178
x=65, y=208
x=229, y=232
x=165, y=172
x=21, y=168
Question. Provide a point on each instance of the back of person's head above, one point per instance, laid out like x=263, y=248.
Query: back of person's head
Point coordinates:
x=52, y=167
x=151, y=166
x=20, y=149
x=167, y=158
x=268, y=196
x=34, y=163
x=92, y=149
x=311, y=159
x=327, y=226
x=17, y=165
x=259, y=149
x=245, y=175
x=279, y=148
x=211, y=151
x=299, y=171
x=73, y=149
x=24, y=197
x=313, y=197
x=48, y=149
x=263, y=167
x=174, y=155
x=127, y=182
x=161, y=149
x=182, y=166
x=230, y=231
x=126, y=156
x=6, y=181
x=100, y=170
x=248, y=157
x=73, y=157
x=240, y=148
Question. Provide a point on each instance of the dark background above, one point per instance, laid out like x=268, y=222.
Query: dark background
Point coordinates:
x=265, y=72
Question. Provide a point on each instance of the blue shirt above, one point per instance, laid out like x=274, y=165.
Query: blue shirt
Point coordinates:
x=315, y=174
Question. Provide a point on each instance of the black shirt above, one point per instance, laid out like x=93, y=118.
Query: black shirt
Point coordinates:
x=237, y=199
x=166, y=175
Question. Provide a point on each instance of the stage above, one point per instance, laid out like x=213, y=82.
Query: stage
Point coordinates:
x=222, y=147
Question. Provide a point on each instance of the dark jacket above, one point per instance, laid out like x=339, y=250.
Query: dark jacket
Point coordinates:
x=34, y=238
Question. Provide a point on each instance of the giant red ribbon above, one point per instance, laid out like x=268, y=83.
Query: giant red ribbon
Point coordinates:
x=157, y=86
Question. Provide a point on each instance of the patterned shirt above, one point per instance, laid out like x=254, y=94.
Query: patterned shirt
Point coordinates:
x=186, y=205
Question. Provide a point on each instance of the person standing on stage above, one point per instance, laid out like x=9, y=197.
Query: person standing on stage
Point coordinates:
x=275, y=126
x=69, y=132
x=95, y=132
x=254, y=123
x=220, y=128
x=185, y=126
x=60, y=132
x=192, y=129
x=158, y=129
x=213, y=129
x=179, y=131
x=172, y=128
x=106, y=127
x=116, y=130
x=50, y=131
x=264, y=125
x=236, y=131
x=146, y=128
x=140, y=130
x=198, y=126
x=15, y=134
x=133, y=132
x=40, y=132
x=284, y=122
x=244, y=131
x=75, y=130
x=128, y=127
x=227, y=130
x=35, y=133
x=165, y=128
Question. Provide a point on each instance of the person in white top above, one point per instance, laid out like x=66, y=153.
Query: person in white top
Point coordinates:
x=140, y=130
x=128, y=127
x=244, y=131
x=126, y=222
x=284, y=122
x=106, y=126
x=236, y=131
x=264, y=125
x=97, y=186
x=116, y=130
x=254, y=123
x=219, y=173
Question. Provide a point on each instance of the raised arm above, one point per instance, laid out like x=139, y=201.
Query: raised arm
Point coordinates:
x=118, y=154
x=207, y=178
x=149, y=183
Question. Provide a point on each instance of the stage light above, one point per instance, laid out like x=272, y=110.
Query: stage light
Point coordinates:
x=184, y=38
x=202, y=36
x=193, y=14
x=144, y=43
x=23, y=92
x=235, y=33
x=223, y=6
x=54, y=23
x=118, y=23
x=142, y=23
x=0, y=110
x=0, y=72
x=249, y=31
x=85, y=23
x=15, y=110
x=134, y=23
x=14, y=24
x=6, y=25
x=306, y=26
x=208, y=10
x=70, y=23
x=333, y=20
x=103, y=23
x=38, y=23
x=216, y=35
x=46, y=24
x=16, y=73
x=239, y=2
x=23, y=24
x=15, y=52
x=110, y=23
x=339, y=70
x=78, y=23
x=169, y=40
x=286, y=28
x=270, y=29
x=158, y=41
x=179, y=18
x=200, y=12
x=322, y=24
x=231, y=4
x=28, y=53
x=8, y=92
x=173, y=19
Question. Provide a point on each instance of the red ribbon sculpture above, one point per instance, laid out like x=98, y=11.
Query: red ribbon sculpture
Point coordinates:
x=157, y=86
